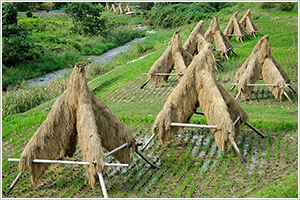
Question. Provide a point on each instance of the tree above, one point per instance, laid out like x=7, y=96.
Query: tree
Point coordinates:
x=47, y=6
x=58, y=5
x=21, y=6
x=10, y=14
x=15, y=45
x=86, y=17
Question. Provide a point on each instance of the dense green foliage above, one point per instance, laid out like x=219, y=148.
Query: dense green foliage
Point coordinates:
x=191, y=165
x=29, y=13
x=16, y=47
x=46, y=42
x=9, y=14
x=170, y=15
x=284, y=6
x=86, y=17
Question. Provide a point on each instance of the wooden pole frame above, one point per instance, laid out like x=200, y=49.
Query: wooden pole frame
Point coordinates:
x=79, y=163
x=68, y=162
x=145, y=83
x=258, y=84
x=103, y=187
x=148, y=142
x=193, y=125
x=11, y=187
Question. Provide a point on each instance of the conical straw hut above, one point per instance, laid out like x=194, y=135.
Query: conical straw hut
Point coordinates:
x=261, y=62
x=107, y=7
x=196, y=41
x=246, y=23
x=214, y=34
x=113, y=8
x=127, y=9
x=182, y=58
x=165, y=63
x=190, y=44
x=77, y=115
x=233, y=29
x=199, y=87
x=120, y=10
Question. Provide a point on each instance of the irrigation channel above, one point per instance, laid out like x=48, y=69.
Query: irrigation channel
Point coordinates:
x=104, y=58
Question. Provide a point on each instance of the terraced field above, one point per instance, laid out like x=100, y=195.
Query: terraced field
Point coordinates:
x=191, y=165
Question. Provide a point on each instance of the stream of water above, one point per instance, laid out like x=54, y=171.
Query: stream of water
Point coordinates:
x=106, y=57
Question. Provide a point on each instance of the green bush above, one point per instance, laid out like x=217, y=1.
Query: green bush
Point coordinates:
x=86, y=17
x=286, y=6
x=265, y=5
x=9, y=14
x=49, y=61
x=32, y=24
x=28, y=13
x=15, y=45
x=171, y=15
x=21, y=6
x=17, y=48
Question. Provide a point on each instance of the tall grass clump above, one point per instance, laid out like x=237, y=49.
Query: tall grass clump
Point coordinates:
x=48, y=62
x=171, y=14
x=26, y=98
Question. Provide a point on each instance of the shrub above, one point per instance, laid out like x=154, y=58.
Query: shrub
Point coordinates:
x=47, y=6
x=15, y=45
x=28, y=13
x=86, y=17
x=21, y=6
x=17, y=48
x=32, y=24
x=170, y=15
x=265, y=5
x=286, y=6
x=9, y=15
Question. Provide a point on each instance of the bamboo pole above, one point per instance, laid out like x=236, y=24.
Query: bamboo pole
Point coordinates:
x=11, y=187
x=236, y=149
x=214, y=49
x=258, y=84
x=199, y=113
x=255, y=130
x=217, y=69
x=232, y=88
x=233, y=52
x=285, y=94
x=148, y=142
x=229, y=49
x=226, y=56
x=145, y=83
x=165, y=74
x=237, y=96
x=292, y=88
x=116, y=149
x=234, y=123
x=143, y=157
x=67, y=162
x=218, y=62
x=193, y=125
x=104, y=191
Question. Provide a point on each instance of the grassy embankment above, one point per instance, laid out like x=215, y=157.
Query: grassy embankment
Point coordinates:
x=191, y=165
x=58, y=46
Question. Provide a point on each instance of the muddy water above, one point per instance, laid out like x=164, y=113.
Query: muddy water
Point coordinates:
x=106, y=57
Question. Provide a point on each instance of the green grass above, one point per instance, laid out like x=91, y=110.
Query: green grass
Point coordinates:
x=288, y=188
x=180, y=173
x=59, y=47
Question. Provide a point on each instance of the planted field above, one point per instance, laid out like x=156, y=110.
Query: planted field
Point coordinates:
x=191, y=165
